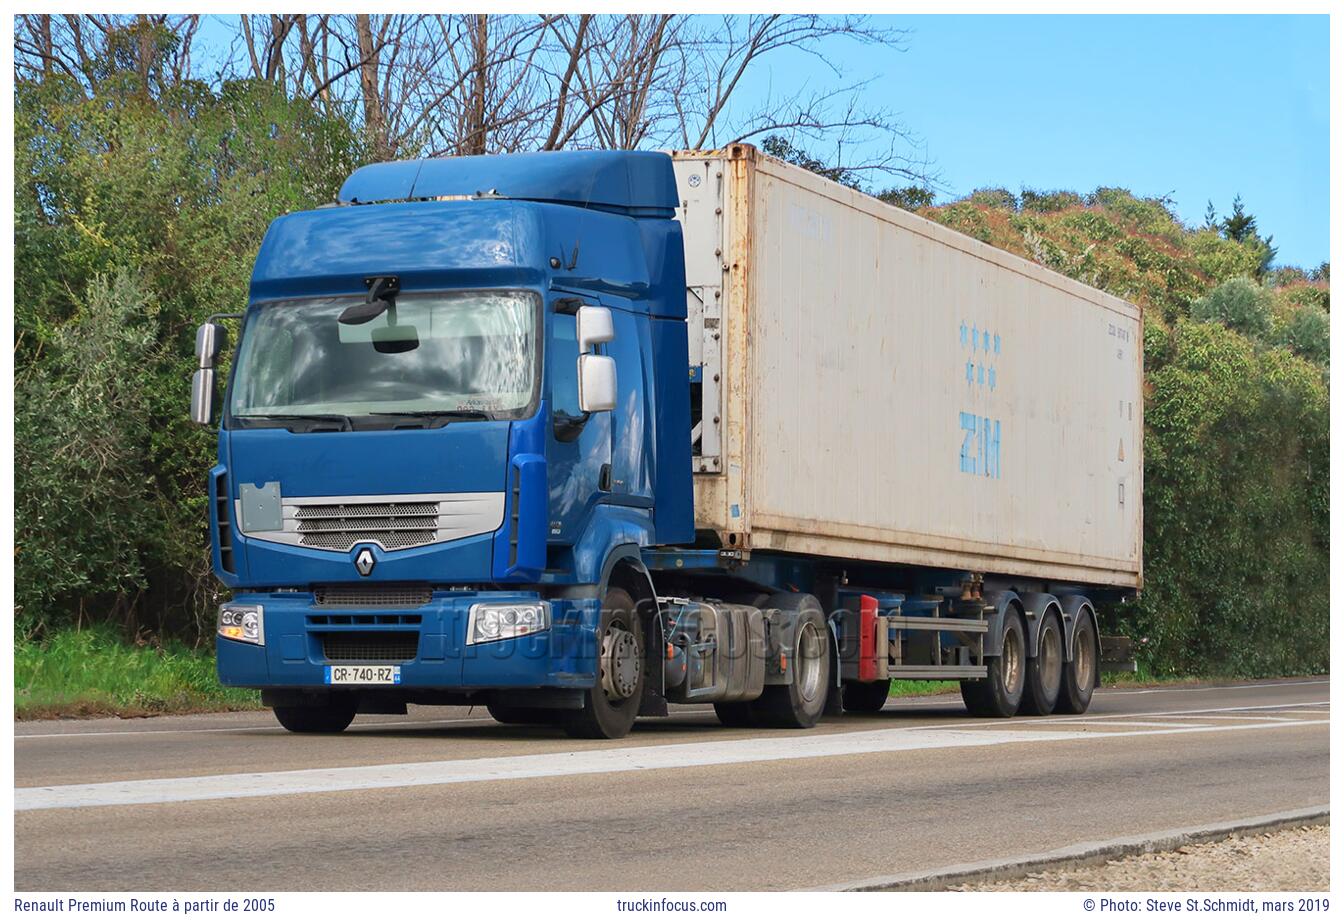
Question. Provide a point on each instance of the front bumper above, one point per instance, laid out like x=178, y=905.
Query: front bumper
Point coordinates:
x=299, y=635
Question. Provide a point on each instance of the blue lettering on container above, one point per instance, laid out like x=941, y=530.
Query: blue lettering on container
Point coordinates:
x=980, y=446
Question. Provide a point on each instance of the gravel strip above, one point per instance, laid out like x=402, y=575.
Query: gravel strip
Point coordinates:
x=1295, y=859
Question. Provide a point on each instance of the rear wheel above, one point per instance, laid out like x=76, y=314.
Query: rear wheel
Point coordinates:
x=327, y=718
x=1045, y=672
x=799, y=703
x=1000, y=694
x=866, y=697
x=522, y=715
x=1080, y=674
x=610, y=707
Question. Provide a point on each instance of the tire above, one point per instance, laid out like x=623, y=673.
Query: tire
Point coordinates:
x=735, y=715
x=1000, y=694
x=1080, y=674
x=328, y=719
x=866, y=697
x=610, y=705
x=799, y=703
x=1045, y=672
x=521, y=715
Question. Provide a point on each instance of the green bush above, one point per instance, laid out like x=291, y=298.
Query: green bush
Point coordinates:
x=1222, y=259
x=82, y=425
x=1047, y=202
x=1307, y=332
x=135, y=219
x=966, y=218
x=994, y=198
x=1236, y=521
x=1238, y=303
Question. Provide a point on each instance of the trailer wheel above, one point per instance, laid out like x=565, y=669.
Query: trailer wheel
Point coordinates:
x=1000, y=694
x=327, y=719
x=1080, y=674
x=866, y=697
x=799, y=703
x=1045, y=672
x=610, y=705
x=735, y=715
x=522, y=715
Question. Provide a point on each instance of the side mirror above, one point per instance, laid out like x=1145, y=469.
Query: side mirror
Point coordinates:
x=594, y=327
x=203, y=395
x=211, y=339
x=597, y=383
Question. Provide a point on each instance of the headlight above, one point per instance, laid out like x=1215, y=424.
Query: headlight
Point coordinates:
x=243, y=623
x=492, y=622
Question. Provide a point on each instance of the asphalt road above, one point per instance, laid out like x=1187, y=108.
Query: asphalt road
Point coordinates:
x=447, y=799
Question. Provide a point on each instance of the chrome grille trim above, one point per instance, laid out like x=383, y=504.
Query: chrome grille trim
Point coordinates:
x=393, y=522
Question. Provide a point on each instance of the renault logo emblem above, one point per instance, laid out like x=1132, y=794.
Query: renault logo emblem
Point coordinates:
x=364, y=562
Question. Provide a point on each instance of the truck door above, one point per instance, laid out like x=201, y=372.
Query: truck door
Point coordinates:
x=578, y=453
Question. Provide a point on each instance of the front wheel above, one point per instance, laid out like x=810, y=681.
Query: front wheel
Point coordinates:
x=325, y=719
x=521, y=715
x=610, y=707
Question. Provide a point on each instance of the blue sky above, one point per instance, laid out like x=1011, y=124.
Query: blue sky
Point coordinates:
x=1201, y=107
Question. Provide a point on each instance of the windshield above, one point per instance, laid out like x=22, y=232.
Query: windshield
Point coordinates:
x=472, y=354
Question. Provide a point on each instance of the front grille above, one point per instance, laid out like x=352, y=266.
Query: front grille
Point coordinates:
x=394, y=525
x=370, y=646
x=371, y=595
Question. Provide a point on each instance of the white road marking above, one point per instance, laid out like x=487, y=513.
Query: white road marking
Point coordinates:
x=243, y=728
x=1276, y=683
x=1129, y=724
x=571, y=763
x=1179, y=712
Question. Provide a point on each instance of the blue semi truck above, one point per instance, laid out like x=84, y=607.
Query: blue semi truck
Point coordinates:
x=506, y=430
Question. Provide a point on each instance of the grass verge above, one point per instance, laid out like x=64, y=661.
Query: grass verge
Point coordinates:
x=93, y=672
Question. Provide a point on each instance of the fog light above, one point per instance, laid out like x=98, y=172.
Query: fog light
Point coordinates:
x=242, y=623
x=492, y=622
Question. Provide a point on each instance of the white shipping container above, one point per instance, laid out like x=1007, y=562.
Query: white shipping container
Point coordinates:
x=875, y=386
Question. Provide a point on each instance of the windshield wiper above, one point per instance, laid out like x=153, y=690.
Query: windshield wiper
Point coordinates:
x=433, y=414
x=346, y=424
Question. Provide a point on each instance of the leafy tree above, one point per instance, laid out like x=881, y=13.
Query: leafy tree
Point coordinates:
x=1240, y=228
x=911, y=198
x=781, y=148
x=1236, y=508
x=151, y=204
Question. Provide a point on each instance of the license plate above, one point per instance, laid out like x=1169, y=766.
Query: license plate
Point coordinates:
x=363, y=674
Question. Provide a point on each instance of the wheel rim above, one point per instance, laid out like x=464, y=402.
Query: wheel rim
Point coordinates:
x=810, y=650
x=1050, y=655
x=1082, y=659
x=1011, y=664
x=620, y=663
